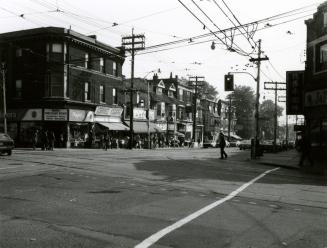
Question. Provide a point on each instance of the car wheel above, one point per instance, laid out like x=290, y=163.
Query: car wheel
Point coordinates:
x=9, y=152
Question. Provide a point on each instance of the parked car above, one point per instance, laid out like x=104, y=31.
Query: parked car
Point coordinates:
x=6, y=144
x=209, y=143
x=245, y=144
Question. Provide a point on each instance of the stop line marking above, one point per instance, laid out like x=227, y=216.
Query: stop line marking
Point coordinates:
x=155, y=237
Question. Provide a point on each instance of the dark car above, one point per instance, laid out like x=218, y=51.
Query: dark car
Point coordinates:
x=6, y=144
x=245, y=144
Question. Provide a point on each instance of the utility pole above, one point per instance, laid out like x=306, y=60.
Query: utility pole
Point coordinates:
x=229, y=116
x=258, y=60
x=275, y=88
x=283, y=99
x=3, y=72
x=195, y=82
x=132, y=44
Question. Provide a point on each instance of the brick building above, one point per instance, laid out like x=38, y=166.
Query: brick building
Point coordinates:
x=62, y=81
x=315, y=86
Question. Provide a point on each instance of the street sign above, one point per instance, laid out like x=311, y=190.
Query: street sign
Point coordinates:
x=294, y=92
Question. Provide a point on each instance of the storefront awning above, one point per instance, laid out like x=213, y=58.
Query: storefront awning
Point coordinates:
x=115, y=126
x=142, y=127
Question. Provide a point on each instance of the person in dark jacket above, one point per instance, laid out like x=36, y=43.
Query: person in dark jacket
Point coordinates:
x=222, y=144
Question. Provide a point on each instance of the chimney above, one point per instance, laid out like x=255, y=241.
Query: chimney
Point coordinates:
x=171, y=75
x=93, y=36
x=155, y=77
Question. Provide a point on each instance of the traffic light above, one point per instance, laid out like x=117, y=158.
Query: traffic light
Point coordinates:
x=229, y=82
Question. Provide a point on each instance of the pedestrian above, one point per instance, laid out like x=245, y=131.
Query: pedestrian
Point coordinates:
x=44, y=140
x=107, y=141
x=35, y=139
x=305, y=149
x=52, y=139
x=102, y=143
x=222, y=144
x=62, y=140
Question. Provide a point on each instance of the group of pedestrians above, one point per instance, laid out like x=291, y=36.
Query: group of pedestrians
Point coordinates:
x=46, y=139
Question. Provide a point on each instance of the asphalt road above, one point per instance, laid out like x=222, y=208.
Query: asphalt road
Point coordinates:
x=120, y=198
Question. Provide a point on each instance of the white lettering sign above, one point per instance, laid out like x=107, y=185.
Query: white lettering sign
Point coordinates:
x=55, y=114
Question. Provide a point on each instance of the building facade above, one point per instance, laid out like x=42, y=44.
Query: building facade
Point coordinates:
x=61, y=81
x=315, y=86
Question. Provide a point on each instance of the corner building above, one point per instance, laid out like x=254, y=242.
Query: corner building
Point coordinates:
x=62, y=81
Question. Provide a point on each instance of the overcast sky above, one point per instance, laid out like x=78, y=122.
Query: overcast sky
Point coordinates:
x=167, y=20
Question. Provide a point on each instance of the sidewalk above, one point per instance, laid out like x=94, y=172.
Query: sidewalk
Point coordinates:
x=286, y=159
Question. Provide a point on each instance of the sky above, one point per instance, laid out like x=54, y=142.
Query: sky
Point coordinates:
x=164, y=21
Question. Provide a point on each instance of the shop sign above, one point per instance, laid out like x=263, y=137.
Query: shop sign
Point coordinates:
x=316, y=98
x=81, y=115
x=151, y=114
x=55, y=114
x=162, y=126
x=106, y=111
x=139, y=114
x=171, y=127
x=294, y=92
x=99, y=118
x=32, y=115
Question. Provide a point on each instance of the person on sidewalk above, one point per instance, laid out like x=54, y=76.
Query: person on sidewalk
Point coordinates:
x=222, y=144
x=305, y=149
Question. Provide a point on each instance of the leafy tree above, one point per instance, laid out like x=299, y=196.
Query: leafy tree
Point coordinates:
x=267, y=117
x=243, y=102
x=208, y=91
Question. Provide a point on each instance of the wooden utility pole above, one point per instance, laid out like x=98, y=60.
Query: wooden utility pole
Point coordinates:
x=275, y=88
x=258, y=60
x=132, y=44
x=196, y=82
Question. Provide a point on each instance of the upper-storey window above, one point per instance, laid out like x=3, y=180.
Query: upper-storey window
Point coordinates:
x=101, y=64
x=86, y=60
x=323, y=53
x=159, y=91
x=180, y=95
x=87, y=91
x=102, y=94
x=54, y=52
x=325, y=19
x=170, y=93
x=114, y=68
x=57, y=48
x=114, y=96
x=18, y=88
x=19, y=52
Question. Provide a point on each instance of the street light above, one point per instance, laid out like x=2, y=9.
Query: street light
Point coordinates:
x=148, y=107
x=3, y=72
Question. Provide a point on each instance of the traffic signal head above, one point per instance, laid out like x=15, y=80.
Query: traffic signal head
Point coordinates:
x=229, y=82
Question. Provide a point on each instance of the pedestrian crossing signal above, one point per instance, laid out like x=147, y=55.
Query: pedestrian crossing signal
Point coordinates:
x=229, y=82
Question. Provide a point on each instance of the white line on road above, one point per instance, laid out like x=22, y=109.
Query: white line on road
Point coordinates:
x=13, y=167
x=155, y=237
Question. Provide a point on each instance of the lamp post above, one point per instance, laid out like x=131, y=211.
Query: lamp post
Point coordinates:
x=3, y=72
x=148, y=107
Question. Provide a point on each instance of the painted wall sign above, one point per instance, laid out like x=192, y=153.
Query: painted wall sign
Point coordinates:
x=32, y=115
x=81, y=115
x=139, y=114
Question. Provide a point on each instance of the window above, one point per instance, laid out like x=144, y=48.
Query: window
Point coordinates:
x=114, y=68
x=323, y=53
x=86, y=60
x=159, y=91
x=19, y=52
x=18, y=89
x=114, y=96
x=170, y=93
x=180, y=95
x=325, y=19
x=57, y=48
x=137, y=98
x=101, y=63
x=56, y=84
x=102, y=94
x=87, y=96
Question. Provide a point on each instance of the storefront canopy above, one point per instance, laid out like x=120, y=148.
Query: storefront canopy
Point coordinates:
x=142, y=127
x=115, y=126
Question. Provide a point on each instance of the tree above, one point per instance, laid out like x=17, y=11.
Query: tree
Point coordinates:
x=267, y=118
x=208, y=91
x=243, y=102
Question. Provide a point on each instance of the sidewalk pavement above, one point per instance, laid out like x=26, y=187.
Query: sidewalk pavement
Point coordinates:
x=287, y=159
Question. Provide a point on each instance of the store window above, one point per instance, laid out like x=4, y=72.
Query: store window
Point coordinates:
x=102, y=94
x=18, y=88
x=87, y=95
x=114, y=96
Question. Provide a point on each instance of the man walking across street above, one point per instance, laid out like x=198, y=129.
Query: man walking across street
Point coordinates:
x=222, y=144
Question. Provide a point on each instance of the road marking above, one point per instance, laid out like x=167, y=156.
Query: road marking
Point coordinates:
x=273, y=206
x=13, y=167
x=252, y=203
x=155, y=237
